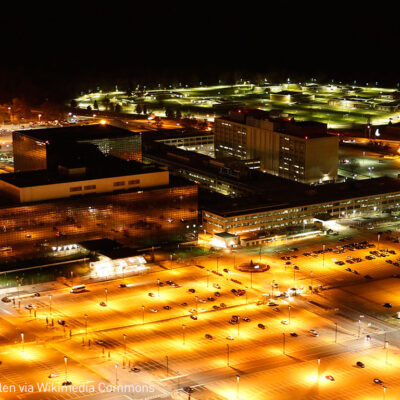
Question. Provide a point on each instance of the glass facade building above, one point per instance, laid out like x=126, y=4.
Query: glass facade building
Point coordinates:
x=138, y=218
x=44, y=148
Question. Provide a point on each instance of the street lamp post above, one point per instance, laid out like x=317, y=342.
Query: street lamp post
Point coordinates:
x=323, y=257
x=116, y=374
x=125, y=344
x=289, y=307
x=218, y=257
x=336, y=332
x=318, y=373
x=227, y=354
x=50, y=297
x=23, y=341
x=66, y=368
x=359, y=328
x=387, y=351
x=166, y=357
x=86, y=317
x=379, y=237
x=283, y=343
x=158, y=287
x=237, y=386
x=142, y=314
x=197, y=299
x=106, y=293
x=183, y=333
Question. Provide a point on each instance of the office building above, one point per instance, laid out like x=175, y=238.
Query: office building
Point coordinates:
x=41, y=148
x=296, y=150
x=302, y=206
x=90, y=194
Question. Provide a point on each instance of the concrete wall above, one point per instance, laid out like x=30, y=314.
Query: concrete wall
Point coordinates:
x=321, y=159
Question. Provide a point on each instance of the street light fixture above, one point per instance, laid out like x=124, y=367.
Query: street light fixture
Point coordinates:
x=23, y=341
x=116, y=374
x=86, y=317
x=106, y=293
x=66, y=369
x=142, y=314
x=237, y=386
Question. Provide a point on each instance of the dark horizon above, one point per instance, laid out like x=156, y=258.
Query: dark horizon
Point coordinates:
x=58, y=54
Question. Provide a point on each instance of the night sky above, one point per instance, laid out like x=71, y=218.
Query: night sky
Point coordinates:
x=57, y=52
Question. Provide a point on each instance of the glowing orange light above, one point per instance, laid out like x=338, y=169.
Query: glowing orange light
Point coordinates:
x=103, y=122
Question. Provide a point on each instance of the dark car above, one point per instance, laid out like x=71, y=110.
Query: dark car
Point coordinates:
x=294, y=334
x=388, y=305
x=122, y=285
x=261, y=326
x=194, y=317
x=246, y=319
x=378, y=381
x=210, y=298
x=208, y=336
x=61, y=322
x=191, y=290
x=167, y=307
x=217, y=294
x=360, y=364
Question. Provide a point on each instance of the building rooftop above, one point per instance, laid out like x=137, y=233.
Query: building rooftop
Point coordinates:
x=227, y=170
x=301, y=195
x=302, y=129
x=113, y=167
x=166, y=134
x=77, y=133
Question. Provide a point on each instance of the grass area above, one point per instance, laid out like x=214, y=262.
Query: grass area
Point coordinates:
x=44, y=274
x=208, y=100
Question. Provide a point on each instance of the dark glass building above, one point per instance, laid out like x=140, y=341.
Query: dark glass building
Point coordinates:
x=42, y=148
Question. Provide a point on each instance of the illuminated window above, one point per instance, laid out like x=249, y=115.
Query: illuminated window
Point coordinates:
x=119, y=183
x=75, y=189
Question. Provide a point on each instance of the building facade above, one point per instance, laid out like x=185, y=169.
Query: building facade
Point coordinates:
x=242, y=219
x=300, y=151
x=136, y=217
x=38, y=149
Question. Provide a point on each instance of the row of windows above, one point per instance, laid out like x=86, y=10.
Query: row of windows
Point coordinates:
x=92, y=187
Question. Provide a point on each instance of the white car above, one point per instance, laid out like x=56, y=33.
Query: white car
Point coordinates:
x=313, y=332
x=153, y=310
x=230, y=337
